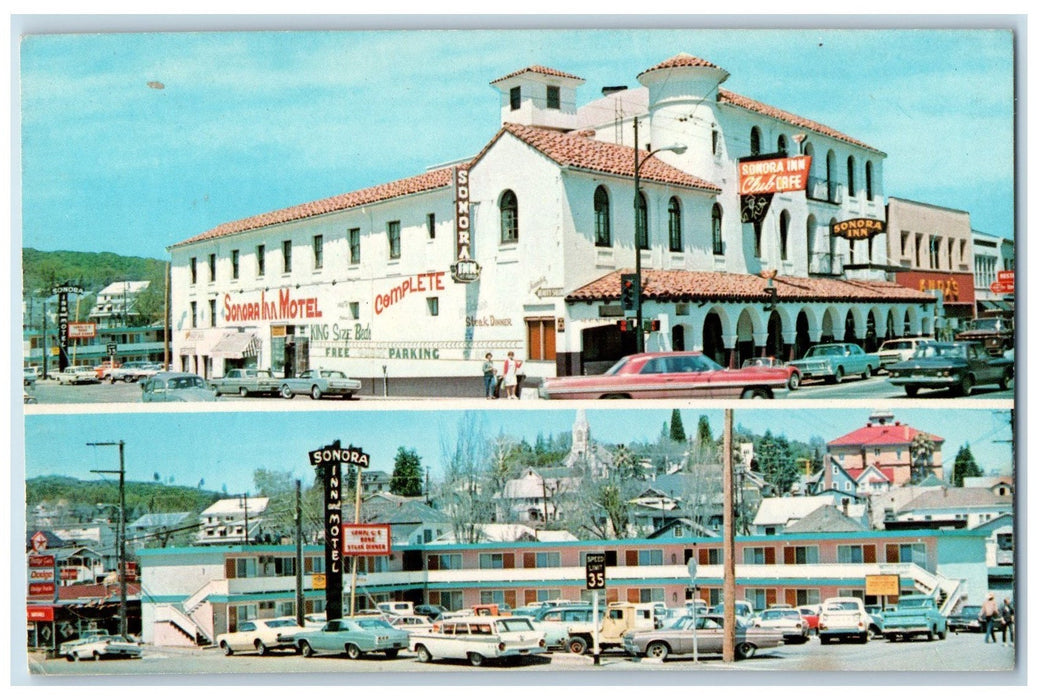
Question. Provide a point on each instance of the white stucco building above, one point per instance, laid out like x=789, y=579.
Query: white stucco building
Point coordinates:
x=363, y=281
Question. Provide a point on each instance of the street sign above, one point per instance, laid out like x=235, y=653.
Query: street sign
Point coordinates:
x=112, y=348
x=999, y=287
x=1006, y=276
x=365, y=540
x=594, y=571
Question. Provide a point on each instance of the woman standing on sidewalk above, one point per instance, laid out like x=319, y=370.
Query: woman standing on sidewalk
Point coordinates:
x=511, y=369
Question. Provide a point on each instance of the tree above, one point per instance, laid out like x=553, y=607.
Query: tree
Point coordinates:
x=466, y=494
x=921, y=449
x=965, y=466
x=677, y=430
x=776, y=461
x=407, y=473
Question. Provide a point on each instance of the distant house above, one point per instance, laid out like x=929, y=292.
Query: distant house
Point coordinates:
x=536, y=496
x=511, y=532
x=885, y=444
x=155, y=529
x=775, y=515
x=1001, y=484
x=116, y=304
x=962, y=507
x=683, y=527
x=101, y=534
x=826, y=519
x=411, y=522
x=232, y=521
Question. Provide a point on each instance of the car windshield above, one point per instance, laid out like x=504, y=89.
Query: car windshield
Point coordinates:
x=896, y=345
x=281, y=623
x=674, y=364
x=615, y=369
x=332, y=374
x=841, y=605
x=516, y=624
x=373, y=624
x=781, y=615
x=914, y=603
x=825, y=351
x=186, y=383
x=970, y=611
x=941, y=351
x=759, y=362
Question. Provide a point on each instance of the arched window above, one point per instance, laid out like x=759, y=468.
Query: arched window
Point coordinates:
x=755, y=141
x=784, y=235
x=715, y=230
x=832, y=248
x=603, y=232
x=868, y=179
x=851, y=191
x=783, y=145
x=509, y=217
x=830, y=176
x=758, y=233
x=641, y=222
x=674, y=224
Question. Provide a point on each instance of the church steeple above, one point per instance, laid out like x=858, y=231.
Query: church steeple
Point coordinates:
x=581, y=433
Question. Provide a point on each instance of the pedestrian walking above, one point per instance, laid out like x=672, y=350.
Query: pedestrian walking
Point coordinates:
x=1008, y=622
x=510, y=374
x=489, y=373
x=988, y=613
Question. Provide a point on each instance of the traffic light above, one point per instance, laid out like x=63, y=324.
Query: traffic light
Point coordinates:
x=622, y=325
x=629, y=287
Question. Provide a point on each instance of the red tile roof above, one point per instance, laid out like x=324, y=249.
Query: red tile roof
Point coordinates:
x=575, y=150
x=685, y=285
x=431, y=180
x=888, y=434
x=727, y=97
x=886, y=472
x=538, y=69
x=682, y=60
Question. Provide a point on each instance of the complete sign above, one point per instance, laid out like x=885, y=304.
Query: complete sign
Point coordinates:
x=594, y=571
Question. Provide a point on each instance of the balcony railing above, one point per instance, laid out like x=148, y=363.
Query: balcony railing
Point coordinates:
x=826, y=264
x=823, y=190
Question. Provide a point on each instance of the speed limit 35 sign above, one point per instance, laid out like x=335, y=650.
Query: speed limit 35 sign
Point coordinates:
x=594, y=571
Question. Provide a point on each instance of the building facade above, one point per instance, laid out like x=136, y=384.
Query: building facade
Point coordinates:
x=992, y=255
x=381, y=282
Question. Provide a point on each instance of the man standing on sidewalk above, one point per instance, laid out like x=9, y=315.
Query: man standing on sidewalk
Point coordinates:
x=988, y=613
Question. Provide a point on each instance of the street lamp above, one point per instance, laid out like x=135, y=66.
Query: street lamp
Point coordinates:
x=676, y=148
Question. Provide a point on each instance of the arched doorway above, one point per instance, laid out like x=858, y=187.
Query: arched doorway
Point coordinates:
x=744, y=346
x=677, y=337
x=871, y=342
x=849, y=331
x=774, y=346
x=828, y=323
x=892, y=329
x=803, y=341
x=713, y=340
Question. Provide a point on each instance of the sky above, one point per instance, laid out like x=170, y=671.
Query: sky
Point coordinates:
x=131, y=142
x=225, y=448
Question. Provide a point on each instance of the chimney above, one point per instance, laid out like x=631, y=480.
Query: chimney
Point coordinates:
x=610, y=89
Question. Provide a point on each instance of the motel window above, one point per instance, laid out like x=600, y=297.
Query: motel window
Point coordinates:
x=194, y=314
x=645, y=557
x=755, y=141
x=212, y=267
x=800, y=555
x=497, y=598
x=452, y=600
x=641, y=222
x=318, y=252
x=430, y=225
x=641, y=595
x=286, y=256
x=540, y=338
x=354, y=236
x=756, y=555
x=492, y=561
x=194, y=270
x=850, y=554
x=760, y=598
x=443, y=562
x=539, y=594
x=513, y=97
x=245, y=567
x=553, y=97
x=393, y=232
x=850, y=177
x=868, y=179
x=784, y=235
x=674, y=224
x=434, y=306
x=543, y=560
x=803, y=596
x=509, y=217
x=603, y=231
x=783, y=145
x=235, y=267
x=212, y=313
x=261, y=260
x=715, y=230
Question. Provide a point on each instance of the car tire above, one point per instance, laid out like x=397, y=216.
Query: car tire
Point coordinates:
x=930, y=634
x=70, y=657
x=423, y=654
x=838, y=376
x=243, y=392
x=911, y=390
x=942, y=635
x=305, y=649
x=754, y=394
x=392, y=653
x=891, y=637
x=315, y=392
x=227, y=651
x=745, y=651
x=657, y=650
x=864, y=638
x=286, y=393
x=966, y=385
x=824, y=639
x=576, y=645
x=97, y=656
x=261, y=648
x=353, y=652
x=794, y=382
x=867, y=373
x=1006, y=380
x=475, y=659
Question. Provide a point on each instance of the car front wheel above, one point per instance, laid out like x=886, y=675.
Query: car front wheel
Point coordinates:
x=576, y=645
x=745, y=650
x=475, y=659
x=911, y=390
x=423, y=654
x=838, y=375
x=867, y=373
x=353, y=651
x=657, y=650
x=315, y=392
x=306, y=649
x=794, y=381
x=227, y=651
x=966, y=385
x=286, y=393
x=261, y=648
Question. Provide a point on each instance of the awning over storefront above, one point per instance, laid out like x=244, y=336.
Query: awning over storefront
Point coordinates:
x=236, y=346
x=993, y=305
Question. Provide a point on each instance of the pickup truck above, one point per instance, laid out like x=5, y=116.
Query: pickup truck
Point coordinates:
x=478, y=639
x=915, y=615
x=843, y=618
x=620, y=618
x=834, y=361
x=318, y=383
x=246, y=381
x=996, y=334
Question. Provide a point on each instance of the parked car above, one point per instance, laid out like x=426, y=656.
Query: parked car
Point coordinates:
x=843, y=618
x=410, y=623
x=246, y=381
x=619, y=619
x=666, y=375
x=318, y=383
x=134, y=371
x=77, y=375
x=27, y=397
x=175, y=386
x=353, y=636
x=899, y=350
x=957, y=366
x=260, y=636
x=101, y=646
x=995, y=333
x=743, y=611
x=968, y=619
x=102, y=370
x=792, y=373
x=432, y=612
x=677, y=640
x=787, y=621
x=555, y=622
x=810, y=615
x=834, y=361
x=478, y=639
x=29, y=376
x=915, y=615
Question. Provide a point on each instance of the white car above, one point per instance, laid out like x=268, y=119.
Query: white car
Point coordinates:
x=100, y=646
x=788, y=621
x=478, y=639
x=260, y=636
x=78, y=375
x=899, y=350
x=843, y=618
x=410, y=623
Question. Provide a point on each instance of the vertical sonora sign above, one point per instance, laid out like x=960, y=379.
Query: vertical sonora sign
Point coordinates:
x=63, y=292
x=464, y=269
x=328, y=461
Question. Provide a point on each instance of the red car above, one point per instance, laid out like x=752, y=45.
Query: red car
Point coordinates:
x=666, y=375
x=810, y=615
x=792, y=373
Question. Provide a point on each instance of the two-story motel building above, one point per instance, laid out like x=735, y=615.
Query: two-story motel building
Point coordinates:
x=365, y=281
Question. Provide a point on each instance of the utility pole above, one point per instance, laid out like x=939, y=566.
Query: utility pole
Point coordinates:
x=299, y=555
x=120, y=533
x=165, y=322
x=245, y=506
x=728, y=643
